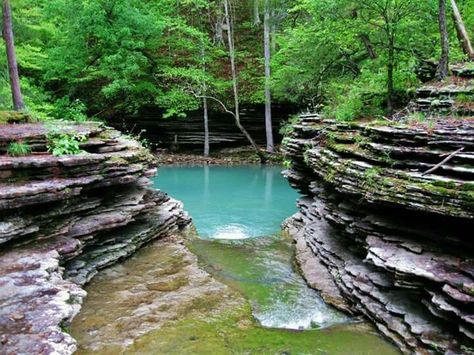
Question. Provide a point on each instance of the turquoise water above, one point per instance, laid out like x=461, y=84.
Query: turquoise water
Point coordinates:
x=231, y=202
x=238, y=212
x=160, y=302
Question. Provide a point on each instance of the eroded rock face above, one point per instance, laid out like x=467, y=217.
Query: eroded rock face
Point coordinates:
x=394, y=241
x=64, y=218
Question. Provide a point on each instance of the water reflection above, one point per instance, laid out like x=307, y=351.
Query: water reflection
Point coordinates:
x=231, y=203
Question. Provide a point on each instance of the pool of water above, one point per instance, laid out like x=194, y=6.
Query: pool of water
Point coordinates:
x=231, y=202
x=157, y=303
x=237, y=212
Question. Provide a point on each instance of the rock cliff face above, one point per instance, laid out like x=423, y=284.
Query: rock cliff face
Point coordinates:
x=64, y=218
x=188, y=133
x=379, y=236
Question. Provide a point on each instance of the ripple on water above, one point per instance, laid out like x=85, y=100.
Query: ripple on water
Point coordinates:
x=230, y=232
x=262, y=269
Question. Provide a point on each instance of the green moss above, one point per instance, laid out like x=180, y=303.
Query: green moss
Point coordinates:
x=64, y=327
x=330, y=175
x=361, y=140
x=117, y=160
x=168, y=285
x=371, y=178
x=15, y=117
x=235, y=333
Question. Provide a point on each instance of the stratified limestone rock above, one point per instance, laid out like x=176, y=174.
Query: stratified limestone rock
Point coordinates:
x=64, y=218
x=395, y=240
x=453, y=96
x=188, y=134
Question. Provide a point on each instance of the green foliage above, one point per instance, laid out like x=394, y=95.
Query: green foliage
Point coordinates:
x=18, y=149
x=371, y=178
x=287, y=164
x=61, y=142
x=324, y=57
x=465, y=98
x=139, y=137
x=109, y=57
x=15, y=117
x=287, y=127
x=416, y=117
x=65, y=109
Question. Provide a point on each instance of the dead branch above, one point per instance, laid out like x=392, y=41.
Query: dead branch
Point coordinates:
x=448, y=158
x=218, y=101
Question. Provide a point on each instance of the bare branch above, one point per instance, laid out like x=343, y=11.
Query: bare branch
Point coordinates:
x=218, y=101
x=448, y=158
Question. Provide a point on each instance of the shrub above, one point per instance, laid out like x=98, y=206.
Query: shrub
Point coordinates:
x=69, y=110
x=287, y=126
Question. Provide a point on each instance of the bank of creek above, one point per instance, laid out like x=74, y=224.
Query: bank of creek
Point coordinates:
x=377, y=238
x=247, y=298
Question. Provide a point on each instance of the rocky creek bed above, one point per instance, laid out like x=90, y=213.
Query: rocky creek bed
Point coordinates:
x=65, y=221
x=159, y=301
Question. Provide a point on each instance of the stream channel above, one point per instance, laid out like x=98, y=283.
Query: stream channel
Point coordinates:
x=255, y=302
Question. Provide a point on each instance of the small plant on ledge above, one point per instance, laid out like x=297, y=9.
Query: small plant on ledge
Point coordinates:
x=65, y=143
x=18, y=149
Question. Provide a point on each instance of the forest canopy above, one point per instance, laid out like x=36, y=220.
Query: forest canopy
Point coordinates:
x=107, y=57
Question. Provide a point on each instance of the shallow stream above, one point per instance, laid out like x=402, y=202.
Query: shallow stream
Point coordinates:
x=159, y=302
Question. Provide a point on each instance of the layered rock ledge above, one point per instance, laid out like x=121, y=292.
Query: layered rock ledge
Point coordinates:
x=379, y=236
x=64, y=218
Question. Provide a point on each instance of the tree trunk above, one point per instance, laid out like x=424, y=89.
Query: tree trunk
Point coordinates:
x=235, y=84
x=268, y=98
x=18, y=103
x=390, y=67
x=369, y=47
x=256, y=13
x=204, y=102
x=443, y=68
x=206, y=128
x=462, y=34
x=273, y=28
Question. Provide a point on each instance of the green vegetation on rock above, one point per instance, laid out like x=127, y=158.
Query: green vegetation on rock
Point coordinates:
x=65, y=143
x=18, y=149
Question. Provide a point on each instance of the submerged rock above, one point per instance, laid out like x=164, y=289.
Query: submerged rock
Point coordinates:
x=160, y=285
x=394, y=239
x=64, y=218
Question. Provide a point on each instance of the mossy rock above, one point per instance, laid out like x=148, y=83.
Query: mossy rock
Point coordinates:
x=15, y=117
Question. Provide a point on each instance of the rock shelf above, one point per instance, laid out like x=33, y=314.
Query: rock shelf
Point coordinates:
x=62, y=219
x=394, y=240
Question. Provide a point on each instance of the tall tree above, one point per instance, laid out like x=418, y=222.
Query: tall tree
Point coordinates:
x=461, y=31
x=235, y=87
x=268, y=97
x=443, y=69
x=18, y=103
x=388, y=16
